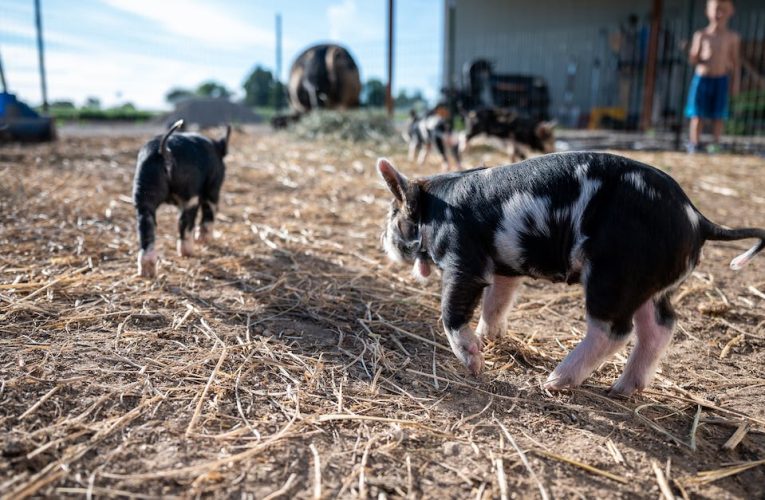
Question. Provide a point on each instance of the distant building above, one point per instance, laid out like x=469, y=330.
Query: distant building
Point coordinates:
x=591, y=53
x=210, y=112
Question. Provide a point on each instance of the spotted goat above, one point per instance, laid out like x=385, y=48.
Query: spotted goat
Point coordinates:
x=625, y=230
x=183, y=169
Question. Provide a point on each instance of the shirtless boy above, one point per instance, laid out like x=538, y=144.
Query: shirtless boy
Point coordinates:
x=715, y=53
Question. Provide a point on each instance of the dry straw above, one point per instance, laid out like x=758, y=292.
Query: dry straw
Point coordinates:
x=289, y=359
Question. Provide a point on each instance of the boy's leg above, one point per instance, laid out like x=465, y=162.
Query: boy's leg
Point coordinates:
x=717, y=128
x=695, y=131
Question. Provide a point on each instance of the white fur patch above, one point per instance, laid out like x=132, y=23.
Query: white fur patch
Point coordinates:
x=581, y=170
x=192, y=202
x=431, y=122
x=391, y=251
x=518, y=211
x=693, y=216
x=637, y=180
x=743, y=259
x=588, y=189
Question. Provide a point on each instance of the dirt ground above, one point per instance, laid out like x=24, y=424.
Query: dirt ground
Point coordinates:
x=290, y=359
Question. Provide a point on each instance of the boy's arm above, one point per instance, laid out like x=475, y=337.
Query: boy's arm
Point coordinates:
x=736, y=60
x=695, y=52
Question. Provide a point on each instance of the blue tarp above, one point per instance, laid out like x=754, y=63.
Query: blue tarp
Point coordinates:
x=22, y=123
x=10, y=107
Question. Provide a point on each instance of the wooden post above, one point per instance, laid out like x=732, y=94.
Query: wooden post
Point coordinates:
x=389, y=85
x=278, y=70
x=451, y=50
x=41, y=56
x=649, y=82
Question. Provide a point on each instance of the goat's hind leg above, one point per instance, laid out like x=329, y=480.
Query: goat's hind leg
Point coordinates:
x=186, y=222
x=654, y=321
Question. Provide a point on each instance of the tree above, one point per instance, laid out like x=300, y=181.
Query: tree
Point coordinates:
x=92, y=103
x=261, y=89
x=177, y=94
x=64, y=104
x=404, y=100
x=213, y=89
x=374, y=93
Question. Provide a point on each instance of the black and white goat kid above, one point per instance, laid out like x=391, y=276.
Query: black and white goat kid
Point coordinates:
x=183, y=169
x=523, y=137
x=423, y=132
x=624, y=230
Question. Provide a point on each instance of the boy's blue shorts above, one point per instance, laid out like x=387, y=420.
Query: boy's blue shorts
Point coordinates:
x=708, y=97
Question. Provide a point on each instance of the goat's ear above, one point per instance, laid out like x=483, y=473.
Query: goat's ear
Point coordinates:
x=545, y=129
x=395, y=180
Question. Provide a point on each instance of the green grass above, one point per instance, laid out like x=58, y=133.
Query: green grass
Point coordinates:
x=92, y=114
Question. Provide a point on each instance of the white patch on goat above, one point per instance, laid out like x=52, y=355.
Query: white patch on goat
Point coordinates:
x=518, y=211
x=423, y=128
x=588, y=188
x=637, y=180
x=693, y=216
x=191, y=202
x=391, y=250
x=431, y=122
x=743, y=259
x=582, y=170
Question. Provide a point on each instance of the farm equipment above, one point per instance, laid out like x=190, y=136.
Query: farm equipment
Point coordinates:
x=526, y=95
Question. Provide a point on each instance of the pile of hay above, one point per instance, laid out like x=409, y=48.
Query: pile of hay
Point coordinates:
x=355, y=126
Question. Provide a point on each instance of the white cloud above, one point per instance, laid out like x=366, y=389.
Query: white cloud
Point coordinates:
x=141, y=79
x=203, y=22
x=347, y=22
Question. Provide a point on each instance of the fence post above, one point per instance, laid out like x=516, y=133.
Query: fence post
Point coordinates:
x=389, y=86
x=451, y=77
x=649, y=83
x=278, y=89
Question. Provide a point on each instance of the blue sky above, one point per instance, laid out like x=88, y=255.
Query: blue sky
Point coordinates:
x=135, y=50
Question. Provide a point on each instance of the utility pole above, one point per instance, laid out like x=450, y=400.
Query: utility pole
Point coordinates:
x=278, y=76
x=41, y=56
x=389, y=86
